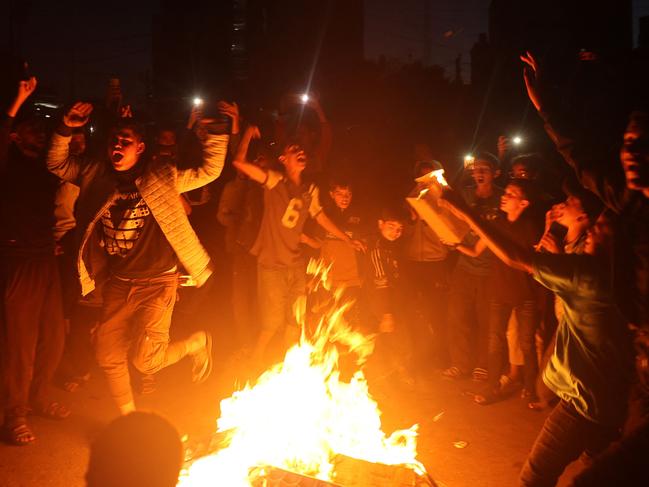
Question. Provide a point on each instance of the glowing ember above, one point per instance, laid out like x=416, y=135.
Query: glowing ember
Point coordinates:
x=299, y=415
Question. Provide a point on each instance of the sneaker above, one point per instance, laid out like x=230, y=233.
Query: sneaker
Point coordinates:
x=202, y=361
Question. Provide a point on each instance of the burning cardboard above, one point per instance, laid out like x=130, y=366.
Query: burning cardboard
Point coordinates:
x=447, y=226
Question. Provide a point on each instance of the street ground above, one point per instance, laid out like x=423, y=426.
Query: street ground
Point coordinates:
x=460, y=443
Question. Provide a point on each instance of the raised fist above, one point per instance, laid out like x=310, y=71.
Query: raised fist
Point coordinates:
x=78, y=115
x=26, y=88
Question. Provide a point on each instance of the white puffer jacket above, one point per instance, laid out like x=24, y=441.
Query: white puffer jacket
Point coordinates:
x=160, y=188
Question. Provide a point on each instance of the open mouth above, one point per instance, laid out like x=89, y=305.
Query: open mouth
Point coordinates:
x=117, y=156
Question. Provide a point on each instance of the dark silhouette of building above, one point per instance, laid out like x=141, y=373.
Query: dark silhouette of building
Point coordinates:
x=253, y=48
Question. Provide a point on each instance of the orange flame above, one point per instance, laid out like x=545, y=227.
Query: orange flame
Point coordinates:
x=299, y=415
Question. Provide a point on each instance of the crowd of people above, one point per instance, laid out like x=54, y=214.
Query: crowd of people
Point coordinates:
x=544, y=296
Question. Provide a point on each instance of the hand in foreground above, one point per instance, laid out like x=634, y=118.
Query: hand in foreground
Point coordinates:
x=531, y=76
x=78, y=115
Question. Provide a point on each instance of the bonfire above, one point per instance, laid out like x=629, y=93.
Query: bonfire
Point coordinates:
x=299, y=418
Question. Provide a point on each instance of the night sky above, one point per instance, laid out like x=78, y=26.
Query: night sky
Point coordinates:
x=76, y=46
x=397, y=30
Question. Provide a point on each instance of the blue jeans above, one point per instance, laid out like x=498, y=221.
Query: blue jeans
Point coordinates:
x=565, y=435
x=278, y=288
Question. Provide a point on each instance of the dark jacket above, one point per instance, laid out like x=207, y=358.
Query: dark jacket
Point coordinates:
x=27, y=193
x=382, y=277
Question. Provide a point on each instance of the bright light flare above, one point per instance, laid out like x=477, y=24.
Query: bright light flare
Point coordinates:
x=304, y=97
x=517, y=140
x=197, y=101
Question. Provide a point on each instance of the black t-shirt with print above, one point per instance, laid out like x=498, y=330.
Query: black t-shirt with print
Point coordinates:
x=134, y=241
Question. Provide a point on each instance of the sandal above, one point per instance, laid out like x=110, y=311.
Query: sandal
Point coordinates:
x=202, y=367
x=54, y=410
x=479, y=374
x=18, y=433
x=452, y=373
x=75, y=383
x=489, y=396
x=508, y=386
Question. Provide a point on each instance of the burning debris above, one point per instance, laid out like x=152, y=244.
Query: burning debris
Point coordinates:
x=300, y=424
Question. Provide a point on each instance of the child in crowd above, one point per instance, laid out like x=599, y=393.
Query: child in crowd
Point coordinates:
x=592, y=363
x=345, y=270
x=426, y=274
x=385, y=293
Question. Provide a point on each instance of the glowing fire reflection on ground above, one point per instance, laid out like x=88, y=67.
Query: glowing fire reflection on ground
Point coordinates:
x=299, y=414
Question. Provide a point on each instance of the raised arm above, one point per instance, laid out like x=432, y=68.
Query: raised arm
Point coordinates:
x=214, y=150
x=25, y=89
x=509, y=252
x=241, y=162
x=601, y=177
x=59, y=161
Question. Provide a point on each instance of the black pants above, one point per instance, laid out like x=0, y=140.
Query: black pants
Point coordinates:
x=565, y=435
x=33, y=329
x=468, y=320
x=427, y=297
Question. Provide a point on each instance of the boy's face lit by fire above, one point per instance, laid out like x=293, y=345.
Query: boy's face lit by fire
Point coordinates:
x=483, y=173
x=391, y=230
x=342, y=197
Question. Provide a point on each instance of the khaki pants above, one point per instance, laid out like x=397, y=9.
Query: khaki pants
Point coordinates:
x=135, y=322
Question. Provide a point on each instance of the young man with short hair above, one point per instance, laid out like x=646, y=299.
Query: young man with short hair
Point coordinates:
x=467, y=321
x=281, y=273
x=134, y=234
x=591, y=367
x=32, y=323
x=511, y=290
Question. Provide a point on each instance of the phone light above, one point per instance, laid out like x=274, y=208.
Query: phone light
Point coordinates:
x=304, y=97
x=517, y=140
x=198, y=101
